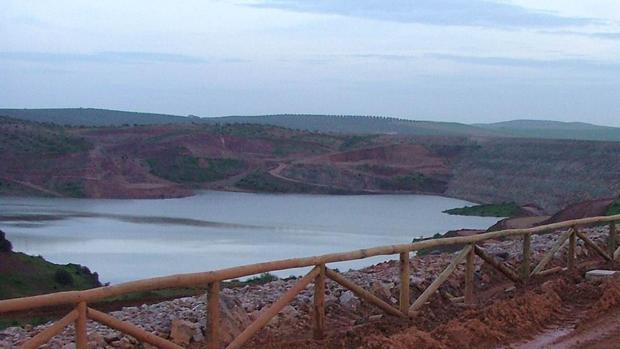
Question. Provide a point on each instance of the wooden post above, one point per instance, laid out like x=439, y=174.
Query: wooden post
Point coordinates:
x=213, y=315
x=572, y=242
x=527, y=254
x=612, y=240
x=404, y=283
x=319, y=304
x=81, y=335
x=470, y=268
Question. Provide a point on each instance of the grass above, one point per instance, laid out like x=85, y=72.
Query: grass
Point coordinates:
x=505, y=209
x=33, y=321
x=34, y=275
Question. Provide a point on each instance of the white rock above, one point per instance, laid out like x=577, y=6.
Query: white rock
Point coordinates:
x=598, y=274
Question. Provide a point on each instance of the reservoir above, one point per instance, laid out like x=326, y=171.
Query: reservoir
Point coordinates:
x=126, y=240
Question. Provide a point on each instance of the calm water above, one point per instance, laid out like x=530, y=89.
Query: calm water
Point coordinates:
x=130, y=239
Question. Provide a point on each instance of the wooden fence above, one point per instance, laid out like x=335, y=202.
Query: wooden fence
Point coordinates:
x=568, y=234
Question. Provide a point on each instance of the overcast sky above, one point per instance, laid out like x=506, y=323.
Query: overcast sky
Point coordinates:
x=454, y=60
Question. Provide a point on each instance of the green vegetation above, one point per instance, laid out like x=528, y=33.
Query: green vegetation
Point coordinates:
x=30, y=276
x=413, y=182
x=380, y=170
x=356, y=142
x=260, y=279
x=506, y=209
x=63, y=277
x=190, y=169
x=71, y=189
x=39, y=141
x=440, y=249
x=15, y=322
x=242, y=130
x=614, y=209
x=264, y=182
x=22, y=275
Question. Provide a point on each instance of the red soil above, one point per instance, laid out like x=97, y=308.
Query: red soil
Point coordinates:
x=588, y=312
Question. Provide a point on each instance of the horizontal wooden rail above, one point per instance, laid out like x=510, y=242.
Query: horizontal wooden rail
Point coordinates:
x=203, y=278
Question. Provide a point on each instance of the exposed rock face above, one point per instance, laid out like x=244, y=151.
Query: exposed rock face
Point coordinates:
x=183, y=320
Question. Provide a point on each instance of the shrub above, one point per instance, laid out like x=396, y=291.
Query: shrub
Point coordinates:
x=5, y=245
x=63, y=277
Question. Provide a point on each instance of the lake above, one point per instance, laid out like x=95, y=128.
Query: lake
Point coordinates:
x=126, y=240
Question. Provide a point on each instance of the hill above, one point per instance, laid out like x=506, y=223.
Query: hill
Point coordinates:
x=320, y=123
x=173, y=160
x=357, y=124
x=554, y=130
x=344, y=124
x=92, y=117
x=23, y=275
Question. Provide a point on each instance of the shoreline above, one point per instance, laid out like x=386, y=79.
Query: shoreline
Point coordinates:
x=223, y=190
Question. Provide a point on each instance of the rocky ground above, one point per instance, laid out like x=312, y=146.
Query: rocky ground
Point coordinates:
x=504, y=314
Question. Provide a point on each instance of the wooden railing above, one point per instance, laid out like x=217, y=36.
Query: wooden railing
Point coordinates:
x=569, y=233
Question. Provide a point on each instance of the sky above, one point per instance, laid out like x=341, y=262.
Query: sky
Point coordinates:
x=445, y=60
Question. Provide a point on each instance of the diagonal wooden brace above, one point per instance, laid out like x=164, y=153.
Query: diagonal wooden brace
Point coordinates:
x=549, y=255
x=440, y=279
